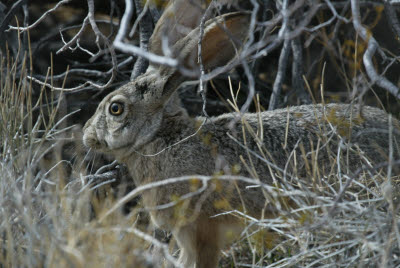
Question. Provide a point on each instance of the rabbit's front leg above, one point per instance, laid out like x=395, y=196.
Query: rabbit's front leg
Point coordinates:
x=199, y=244
x=184, y=235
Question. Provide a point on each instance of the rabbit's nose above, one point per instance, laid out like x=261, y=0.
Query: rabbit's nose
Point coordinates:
x=89, y=138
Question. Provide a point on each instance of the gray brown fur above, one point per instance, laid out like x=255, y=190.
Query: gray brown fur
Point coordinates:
x=153, y=120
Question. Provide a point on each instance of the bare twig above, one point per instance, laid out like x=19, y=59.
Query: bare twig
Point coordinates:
x=145, y=31
x=280, y=76
x=202, y=89
x=75, y=38
x=99, y=34
x=134, y=50
x=85, y=72
x=297, y=72
x=22, y=29
x=369, y=53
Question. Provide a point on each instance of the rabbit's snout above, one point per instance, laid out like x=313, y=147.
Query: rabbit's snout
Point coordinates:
x=90, y=136
x=90, y=141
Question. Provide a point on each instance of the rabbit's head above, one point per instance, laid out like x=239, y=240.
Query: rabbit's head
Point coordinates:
x=131, y=116
x=123, y=119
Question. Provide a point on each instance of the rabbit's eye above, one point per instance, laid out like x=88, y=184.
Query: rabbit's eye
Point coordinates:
x=116, y=108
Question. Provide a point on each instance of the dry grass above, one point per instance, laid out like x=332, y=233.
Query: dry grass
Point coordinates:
x=47, y=212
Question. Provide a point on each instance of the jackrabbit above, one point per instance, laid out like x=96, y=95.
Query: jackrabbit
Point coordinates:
x=143, y=125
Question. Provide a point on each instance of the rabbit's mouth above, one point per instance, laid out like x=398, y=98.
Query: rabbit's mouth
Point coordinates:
x=94, y=143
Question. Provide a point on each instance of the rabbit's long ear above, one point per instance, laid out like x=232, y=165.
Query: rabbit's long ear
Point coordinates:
x=178, y=19
x=222, y=37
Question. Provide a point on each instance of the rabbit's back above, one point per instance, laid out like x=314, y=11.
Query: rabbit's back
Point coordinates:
x=270, y=137
x=279, y=149
x=280, y=143
x=311, y=128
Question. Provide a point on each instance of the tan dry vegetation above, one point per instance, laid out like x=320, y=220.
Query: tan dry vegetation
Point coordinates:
x=52, y=215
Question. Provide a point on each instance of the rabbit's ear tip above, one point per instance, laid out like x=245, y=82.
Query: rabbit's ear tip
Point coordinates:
x=228, y=32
